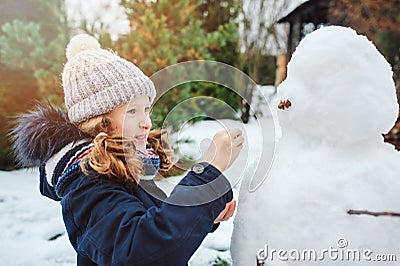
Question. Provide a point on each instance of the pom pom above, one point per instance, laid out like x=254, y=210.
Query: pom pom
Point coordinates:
x=79, y=43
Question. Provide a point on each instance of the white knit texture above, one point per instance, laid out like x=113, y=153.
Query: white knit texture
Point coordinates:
x=96, y=81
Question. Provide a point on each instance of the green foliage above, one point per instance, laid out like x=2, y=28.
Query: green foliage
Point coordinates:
x=22, y=47
x=6, y=162
x=222, y=102
x=17, y=91
x=161, y=36
x=98, y=31
x=192, y=102
x=33, y=36
x=50, y=15
x=389, y=44
x=265, y=69
x=221, y=16
x=164, y=33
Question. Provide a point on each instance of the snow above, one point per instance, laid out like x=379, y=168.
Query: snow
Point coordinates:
x=331, y=158
x=356, y=83
x=28, y=221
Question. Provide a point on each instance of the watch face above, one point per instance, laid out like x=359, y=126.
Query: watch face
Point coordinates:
x=198, y=168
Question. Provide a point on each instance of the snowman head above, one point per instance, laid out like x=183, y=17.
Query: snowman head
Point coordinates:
x=340, y=88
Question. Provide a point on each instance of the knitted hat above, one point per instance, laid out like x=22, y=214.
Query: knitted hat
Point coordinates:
x=96, y=81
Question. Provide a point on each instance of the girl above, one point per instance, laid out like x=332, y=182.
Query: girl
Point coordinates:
x=94, y=159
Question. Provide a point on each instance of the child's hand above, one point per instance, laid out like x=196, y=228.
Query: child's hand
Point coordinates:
x=225, y=148
x=227, y=212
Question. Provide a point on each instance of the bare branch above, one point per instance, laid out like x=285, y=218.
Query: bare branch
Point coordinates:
x=358, y=212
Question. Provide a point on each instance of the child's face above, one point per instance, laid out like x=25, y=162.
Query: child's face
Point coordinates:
x=133, y=120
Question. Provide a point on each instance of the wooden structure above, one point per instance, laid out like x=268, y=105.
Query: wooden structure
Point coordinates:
x=304, y=19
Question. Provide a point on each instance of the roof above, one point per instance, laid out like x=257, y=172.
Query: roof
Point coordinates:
x=300, y=8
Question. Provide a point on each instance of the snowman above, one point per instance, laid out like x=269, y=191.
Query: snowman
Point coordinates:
x=332, y=194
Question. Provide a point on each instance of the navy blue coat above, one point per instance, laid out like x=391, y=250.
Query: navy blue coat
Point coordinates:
x=109, y=224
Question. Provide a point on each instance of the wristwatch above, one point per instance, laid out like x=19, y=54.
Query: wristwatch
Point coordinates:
x=198, y=168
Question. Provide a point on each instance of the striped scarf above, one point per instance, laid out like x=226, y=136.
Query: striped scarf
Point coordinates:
x=151, y=163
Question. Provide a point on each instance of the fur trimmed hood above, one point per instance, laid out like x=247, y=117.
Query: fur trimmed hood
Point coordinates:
x=45, y=138
x=41, y=133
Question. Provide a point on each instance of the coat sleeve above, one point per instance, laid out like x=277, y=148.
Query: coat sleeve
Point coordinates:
x=111, y=227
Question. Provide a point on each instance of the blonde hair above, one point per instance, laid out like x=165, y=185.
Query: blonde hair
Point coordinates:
x=114, y=156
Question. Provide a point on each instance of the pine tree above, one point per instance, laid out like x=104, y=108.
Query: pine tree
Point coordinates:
x=166, y=32
x=222, y=16
x=22, y=47
x=33, y=41
x=33, y=35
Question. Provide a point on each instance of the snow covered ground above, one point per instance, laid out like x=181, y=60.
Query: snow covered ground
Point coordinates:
x=31, y=227
x=28, y=221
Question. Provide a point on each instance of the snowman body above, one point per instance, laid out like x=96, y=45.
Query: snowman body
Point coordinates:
x=331, y=159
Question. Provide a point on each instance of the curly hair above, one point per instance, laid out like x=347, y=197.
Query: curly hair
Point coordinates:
x=114, y=156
